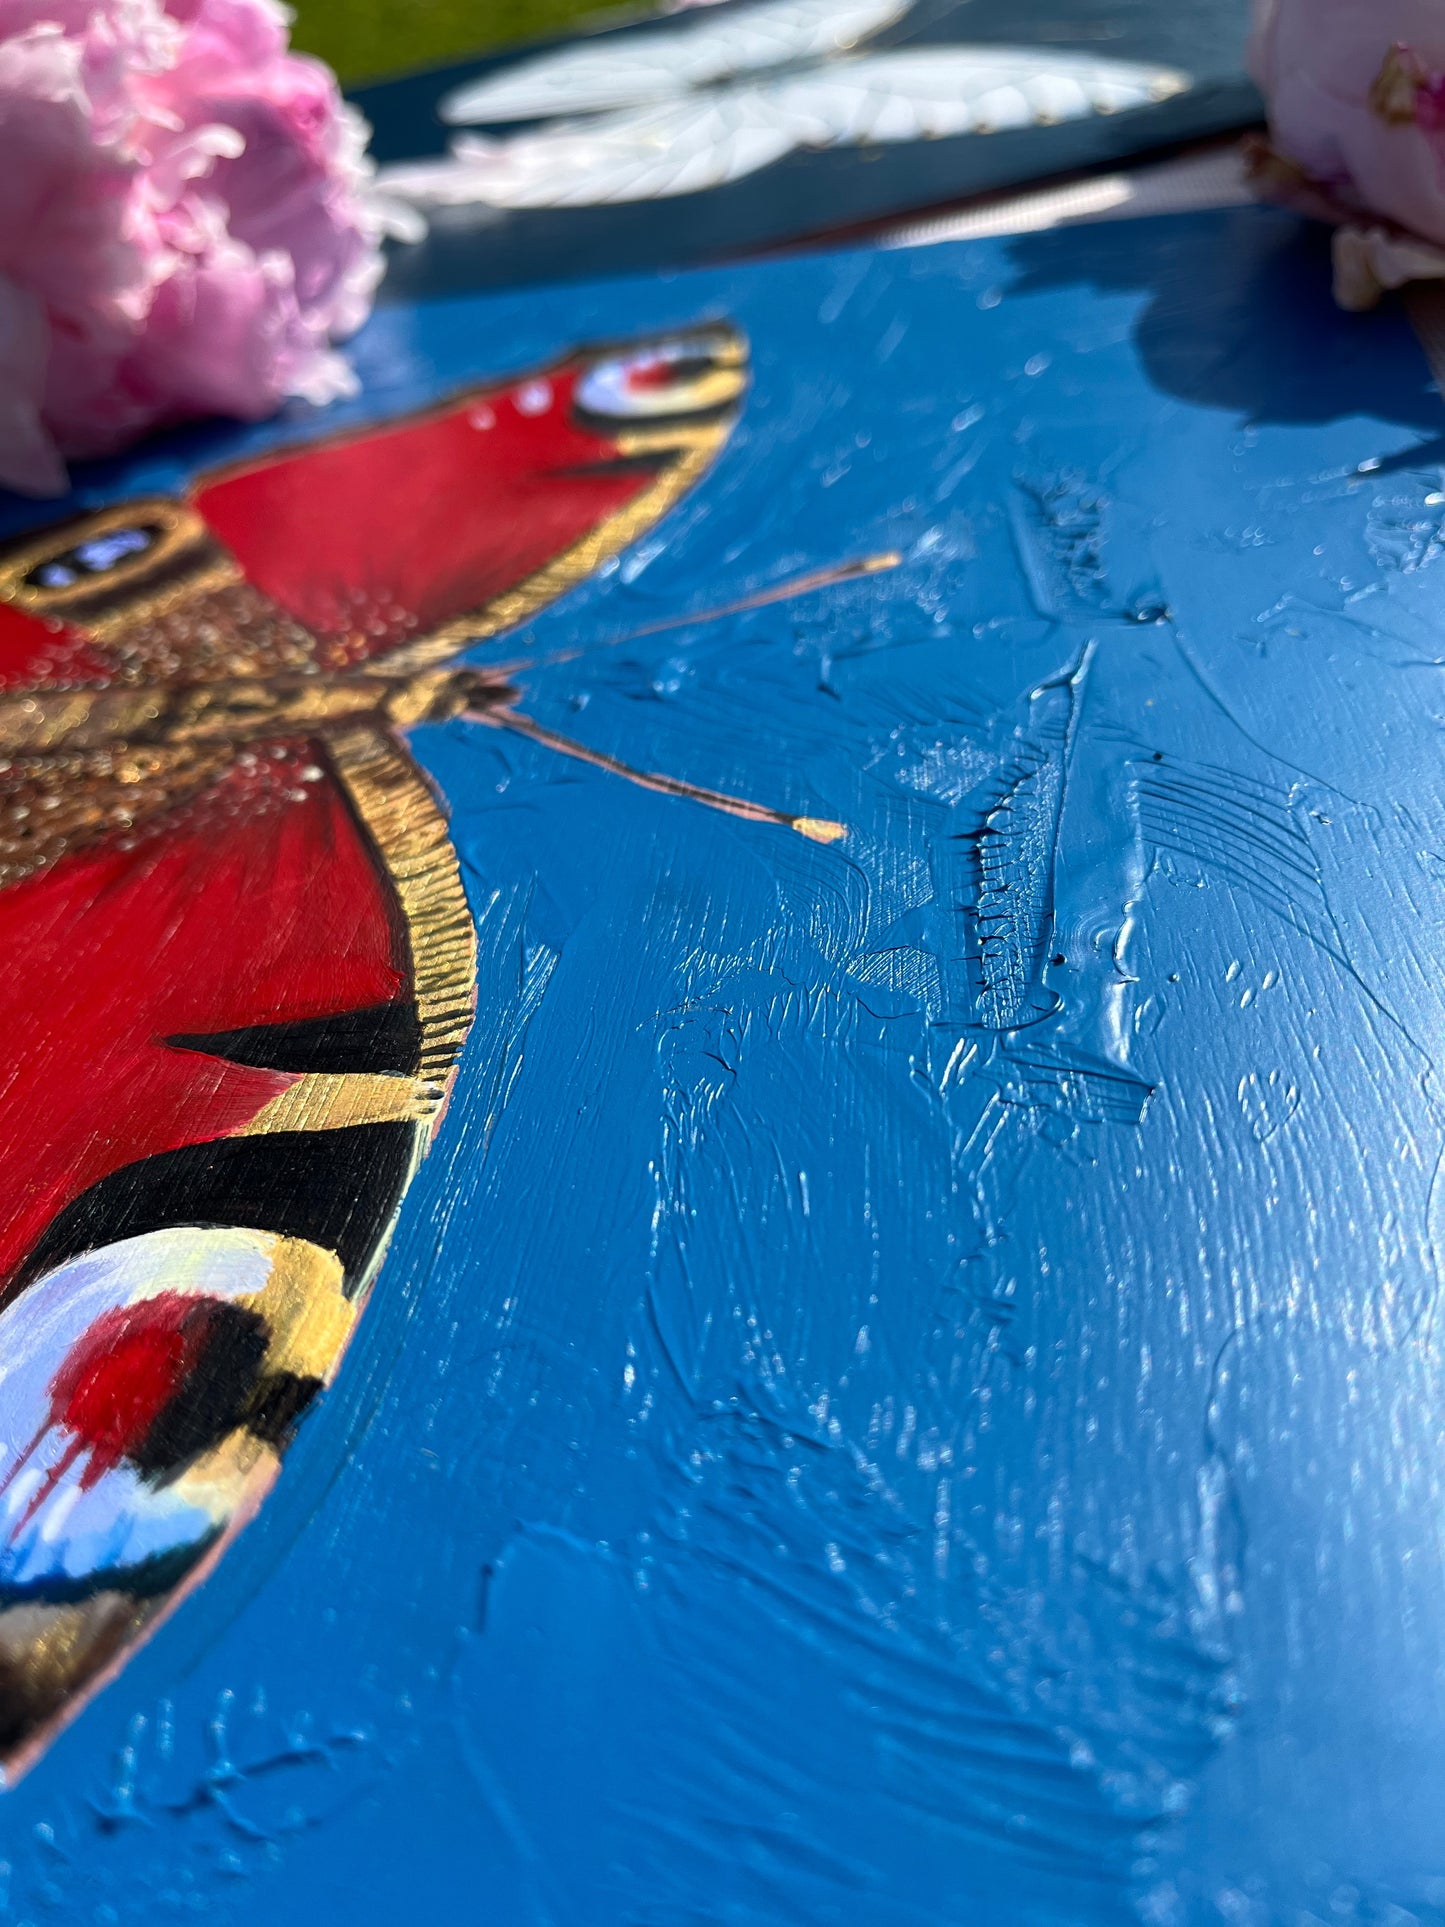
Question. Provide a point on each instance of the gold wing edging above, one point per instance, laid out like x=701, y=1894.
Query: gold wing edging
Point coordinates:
x=407, y=825
x=403, y=820
x=698, y=448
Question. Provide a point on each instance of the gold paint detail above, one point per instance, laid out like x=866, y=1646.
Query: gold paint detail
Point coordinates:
x=220, y=572
x=309, y=1320
x=667, y=438
x=35, y=725
x=48, y=1652
x=400, y=813
x=334, y=1101
x=305, y=1308
x=236, y=711
x=820, y=829
x=574, y=565
x=435, y=695
x=76, y=766
x=51, y=806
x=183, y=560
x=204, y=632
x=239, y=1469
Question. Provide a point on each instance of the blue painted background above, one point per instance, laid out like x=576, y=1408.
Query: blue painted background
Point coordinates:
x=847, y=1433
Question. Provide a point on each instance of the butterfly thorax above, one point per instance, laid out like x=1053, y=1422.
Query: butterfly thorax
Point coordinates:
x=183, y=667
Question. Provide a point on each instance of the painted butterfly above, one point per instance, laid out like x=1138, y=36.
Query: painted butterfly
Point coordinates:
x=239, y=959
x=707, y=101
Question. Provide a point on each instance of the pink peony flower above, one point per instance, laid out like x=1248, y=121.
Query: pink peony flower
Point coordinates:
x=186, y=223
x=1356, y=97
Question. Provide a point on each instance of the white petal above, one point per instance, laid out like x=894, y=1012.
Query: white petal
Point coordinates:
x=1002, y=108
x=641, y=156
x=1054, y=96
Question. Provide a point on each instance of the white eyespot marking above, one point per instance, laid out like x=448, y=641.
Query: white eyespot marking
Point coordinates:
x=134, y=1422
x=533, y=398
x=664, y=378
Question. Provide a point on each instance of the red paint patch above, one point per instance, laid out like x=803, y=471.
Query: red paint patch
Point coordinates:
x=402, y=527
x=118, y=1378
x=648, y=375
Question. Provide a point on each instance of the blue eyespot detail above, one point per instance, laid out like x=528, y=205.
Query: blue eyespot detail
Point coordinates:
x=95, y=557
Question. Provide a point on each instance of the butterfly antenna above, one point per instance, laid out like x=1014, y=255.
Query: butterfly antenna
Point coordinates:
x=799, y=585
x=818, y=829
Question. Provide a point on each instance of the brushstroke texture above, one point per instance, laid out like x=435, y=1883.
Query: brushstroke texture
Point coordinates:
x=887, y=1408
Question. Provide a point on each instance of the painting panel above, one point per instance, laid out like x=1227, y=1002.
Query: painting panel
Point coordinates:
x=905, y=1389
x=721, y=130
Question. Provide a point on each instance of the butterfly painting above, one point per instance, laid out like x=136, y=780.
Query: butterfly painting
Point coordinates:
x=718, y=98
x=240, y=962
x=907, y=1386
x=660, y=142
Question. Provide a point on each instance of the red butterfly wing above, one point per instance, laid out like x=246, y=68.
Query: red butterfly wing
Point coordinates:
x=388, y=533
x=396, y=531
x=185, y=1244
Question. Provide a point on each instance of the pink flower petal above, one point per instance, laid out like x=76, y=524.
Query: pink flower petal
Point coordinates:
x=186, y=221
x=29, y=459
x=1326, y=70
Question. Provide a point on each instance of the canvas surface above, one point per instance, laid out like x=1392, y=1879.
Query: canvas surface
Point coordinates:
x=906, y=1389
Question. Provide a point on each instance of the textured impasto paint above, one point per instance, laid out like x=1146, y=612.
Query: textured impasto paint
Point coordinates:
x=908, y=1389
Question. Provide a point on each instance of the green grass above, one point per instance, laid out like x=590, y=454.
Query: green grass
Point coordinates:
x=363, y=39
